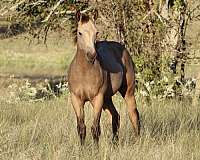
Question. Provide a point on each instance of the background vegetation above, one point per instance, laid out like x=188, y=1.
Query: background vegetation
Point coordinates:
x=37, y=120
x=154, y=31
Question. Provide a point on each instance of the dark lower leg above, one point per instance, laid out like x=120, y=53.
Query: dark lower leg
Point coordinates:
x=97, y=104
x=115, y=126
x=81, y=129
x=110, y=108
x=96, y=132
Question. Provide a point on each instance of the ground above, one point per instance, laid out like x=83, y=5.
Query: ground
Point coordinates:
x=47, y=130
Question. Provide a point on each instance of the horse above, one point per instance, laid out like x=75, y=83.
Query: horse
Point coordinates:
x=98, y=70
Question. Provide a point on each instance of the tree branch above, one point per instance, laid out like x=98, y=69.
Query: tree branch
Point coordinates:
x=52, y=11
x=74, y=11
x=12, y=8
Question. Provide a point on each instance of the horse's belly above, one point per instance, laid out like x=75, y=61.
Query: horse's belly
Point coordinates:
x=116, y=81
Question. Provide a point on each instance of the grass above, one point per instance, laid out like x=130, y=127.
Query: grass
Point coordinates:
x=47, y=130
x=20, y=57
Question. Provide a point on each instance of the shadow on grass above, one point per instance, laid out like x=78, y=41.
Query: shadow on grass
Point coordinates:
x=8, y=31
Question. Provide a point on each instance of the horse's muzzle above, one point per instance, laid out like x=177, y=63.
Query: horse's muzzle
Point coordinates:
x=91, y=57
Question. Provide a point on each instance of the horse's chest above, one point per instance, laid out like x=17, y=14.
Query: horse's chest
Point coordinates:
x=86, y=85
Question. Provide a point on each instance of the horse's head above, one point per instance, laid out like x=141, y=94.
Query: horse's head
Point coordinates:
x=87, y=34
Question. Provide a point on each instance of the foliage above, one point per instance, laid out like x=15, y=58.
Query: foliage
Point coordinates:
x=40, y=17
x=143, y=32
x=148, y=36
x=139, y=25
x=39, y=92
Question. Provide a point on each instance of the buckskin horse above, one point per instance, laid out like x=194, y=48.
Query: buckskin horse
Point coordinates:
x=98, y=70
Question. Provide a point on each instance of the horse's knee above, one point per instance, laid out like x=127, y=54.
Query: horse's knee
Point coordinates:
x=81, y=128
x=96, y=132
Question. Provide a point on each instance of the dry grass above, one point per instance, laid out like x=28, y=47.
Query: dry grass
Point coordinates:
x=47, y=130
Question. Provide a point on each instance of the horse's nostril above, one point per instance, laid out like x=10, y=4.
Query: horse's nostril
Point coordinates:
x=91, y=57
x=94, y=54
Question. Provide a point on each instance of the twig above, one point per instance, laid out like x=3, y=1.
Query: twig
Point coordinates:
x=159, y=16
x=156, y=13
x=63, y=12
x=52, y=11
x=73, y=12
x=146, y=15
x=33, y=133
x=12, y=8
x=37, y=3
x=2, y=9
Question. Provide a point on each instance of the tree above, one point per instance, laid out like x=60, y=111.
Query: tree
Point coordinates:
x=40, y=16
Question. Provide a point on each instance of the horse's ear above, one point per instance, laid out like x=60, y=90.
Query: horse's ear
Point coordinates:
x=78, y=15
x=95, y=16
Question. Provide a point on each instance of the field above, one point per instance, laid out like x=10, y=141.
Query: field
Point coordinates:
x=47, y=129
x=19, y=55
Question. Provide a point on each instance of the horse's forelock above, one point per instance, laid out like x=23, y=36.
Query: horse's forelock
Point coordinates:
x=85, y=18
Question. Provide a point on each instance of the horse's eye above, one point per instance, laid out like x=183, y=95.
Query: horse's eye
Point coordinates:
x=79, y=33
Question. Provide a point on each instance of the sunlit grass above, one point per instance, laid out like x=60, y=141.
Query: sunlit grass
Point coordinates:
x=47, y=130
x=20, y=57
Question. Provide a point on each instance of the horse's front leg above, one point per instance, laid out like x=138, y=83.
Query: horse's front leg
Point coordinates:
x=97, y=104
x=78, y=105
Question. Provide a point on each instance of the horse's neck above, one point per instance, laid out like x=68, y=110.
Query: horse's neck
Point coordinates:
x=80, y=57
x=82, y=61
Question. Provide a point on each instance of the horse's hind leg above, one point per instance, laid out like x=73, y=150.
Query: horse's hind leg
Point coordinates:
x=133, y=112
x=115, y=117
x=127, y=90
x=79, y=111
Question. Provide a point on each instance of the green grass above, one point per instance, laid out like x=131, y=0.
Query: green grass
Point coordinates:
x=47, y=130
x=17, y=56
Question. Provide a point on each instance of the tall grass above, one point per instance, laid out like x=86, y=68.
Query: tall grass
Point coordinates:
x=47, y=130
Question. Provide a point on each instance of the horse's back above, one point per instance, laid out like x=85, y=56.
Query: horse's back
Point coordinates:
x=110, y=48
x=110, y=54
